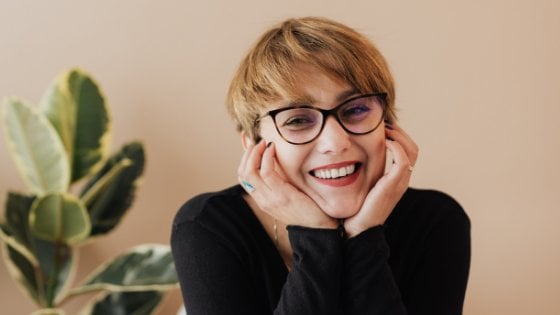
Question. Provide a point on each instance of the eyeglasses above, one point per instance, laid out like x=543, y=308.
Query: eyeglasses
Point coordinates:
x=302, y=124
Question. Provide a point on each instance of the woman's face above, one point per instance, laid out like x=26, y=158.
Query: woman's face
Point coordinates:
x=334, y=148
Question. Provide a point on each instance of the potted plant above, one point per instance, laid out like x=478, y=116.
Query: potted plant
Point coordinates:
x=77, y=193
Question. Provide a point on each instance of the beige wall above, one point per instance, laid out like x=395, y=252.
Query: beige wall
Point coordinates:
x=478, y=88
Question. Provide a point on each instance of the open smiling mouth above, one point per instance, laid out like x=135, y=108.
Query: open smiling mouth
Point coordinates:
x=337, y=172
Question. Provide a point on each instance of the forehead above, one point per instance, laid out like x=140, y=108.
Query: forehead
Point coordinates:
x=313, y=87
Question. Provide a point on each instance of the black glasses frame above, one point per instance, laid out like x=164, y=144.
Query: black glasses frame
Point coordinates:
x=326, y=113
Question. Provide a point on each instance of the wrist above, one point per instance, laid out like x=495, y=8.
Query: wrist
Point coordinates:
x=328, y=224
x=352, y=228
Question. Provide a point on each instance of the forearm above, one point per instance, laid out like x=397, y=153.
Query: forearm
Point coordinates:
x=313, y=284
x=368, y=284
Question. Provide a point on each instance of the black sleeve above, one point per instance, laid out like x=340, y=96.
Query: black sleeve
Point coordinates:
x=313, y=284
x=439, y=277
x=214, y=280
x=368, y=285
x=440, y=282
x=211, y=277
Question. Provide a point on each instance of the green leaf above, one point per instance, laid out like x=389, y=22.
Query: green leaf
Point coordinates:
x=59, y=218
x=76, y=108
x=22, y=270
x=46, y=274
x=43, y=268
x=144, y=268
x=7, y=236
x=110, y=192
x=58, y=266
x=134, y=303
x=36, y=148
x=17, y=217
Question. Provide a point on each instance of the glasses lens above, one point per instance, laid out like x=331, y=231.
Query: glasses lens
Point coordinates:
x=361, y=115
x=299, y=125
x=303, y=124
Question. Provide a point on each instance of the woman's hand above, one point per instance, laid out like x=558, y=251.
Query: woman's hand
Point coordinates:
x=274, y=194
x=389, y=189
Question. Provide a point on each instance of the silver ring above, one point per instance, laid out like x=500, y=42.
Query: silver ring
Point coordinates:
x=411, y=168
x=250, y=188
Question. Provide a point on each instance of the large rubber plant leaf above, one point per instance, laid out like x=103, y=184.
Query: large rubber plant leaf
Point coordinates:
x=17, y=218
x=22, y=269
x=110, y=192
x=44, y=269
x=59, y=218
x=47, y=278
x=143, y=268
x=76, y=108
x=118, y=303
x=36, y=148
x=58, y=263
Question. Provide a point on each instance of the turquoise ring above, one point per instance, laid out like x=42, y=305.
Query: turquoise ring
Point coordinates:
x=250, y=188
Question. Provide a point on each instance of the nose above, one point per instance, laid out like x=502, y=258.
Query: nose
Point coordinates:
x=333, y=138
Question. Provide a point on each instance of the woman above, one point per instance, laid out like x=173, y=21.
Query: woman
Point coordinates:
x=310, y=227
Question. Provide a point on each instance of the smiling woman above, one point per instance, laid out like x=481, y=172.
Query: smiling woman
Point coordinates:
x=310, y=228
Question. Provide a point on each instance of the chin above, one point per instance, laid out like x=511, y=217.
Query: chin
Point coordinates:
x=342, y=209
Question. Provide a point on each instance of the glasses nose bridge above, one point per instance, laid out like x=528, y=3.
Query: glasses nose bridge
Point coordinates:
x=331, y=112
x=332, y=138
x=334, y=113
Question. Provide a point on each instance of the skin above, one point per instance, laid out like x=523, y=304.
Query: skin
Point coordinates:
x=286, y=191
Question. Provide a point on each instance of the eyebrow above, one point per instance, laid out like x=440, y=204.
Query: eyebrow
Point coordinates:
x=308, y=100
x=346, y=95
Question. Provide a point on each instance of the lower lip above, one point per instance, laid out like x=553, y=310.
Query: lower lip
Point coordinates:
x=339, y=182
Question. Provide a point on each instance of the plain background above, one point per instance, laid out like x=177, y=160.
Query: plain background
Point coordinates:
x=478, y=87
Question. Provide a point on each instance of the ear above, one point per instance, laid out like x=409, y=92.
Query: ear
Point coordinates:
x=245, y=140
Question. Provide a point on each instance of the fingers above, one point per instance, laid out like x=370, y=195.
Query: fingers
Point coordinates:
x=258, y=168
x=255, y=157
x=395, y=132
x=244, y=159
x=401, y=167
x=404, y=152
x=248, y=171
x=267, y=161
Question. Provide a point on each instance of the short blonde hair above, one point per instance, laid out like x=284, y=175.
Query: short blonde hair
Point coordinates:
x=268, y=73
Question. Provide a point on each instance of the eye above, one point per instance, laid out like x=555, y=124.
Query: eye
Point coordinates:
x=297, y=119
x=299, y=122
x=355, y=112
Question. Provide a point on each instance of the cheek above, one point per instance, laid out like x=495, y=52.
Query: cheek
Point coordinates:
x=379, y=149
x=267, y=131
x=289, y=158
x=374, y=145
x=376, y=155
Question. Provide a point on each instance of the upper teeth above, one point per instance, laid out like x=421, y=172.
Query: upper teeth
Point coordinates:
x=335, y=172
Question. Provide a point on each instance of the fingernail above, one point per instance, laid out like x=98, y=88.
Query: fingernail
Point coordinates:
x=268, y=144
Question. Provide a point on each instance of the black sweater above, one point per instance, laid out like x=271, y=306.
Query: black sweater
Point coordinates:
x=227, y=264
